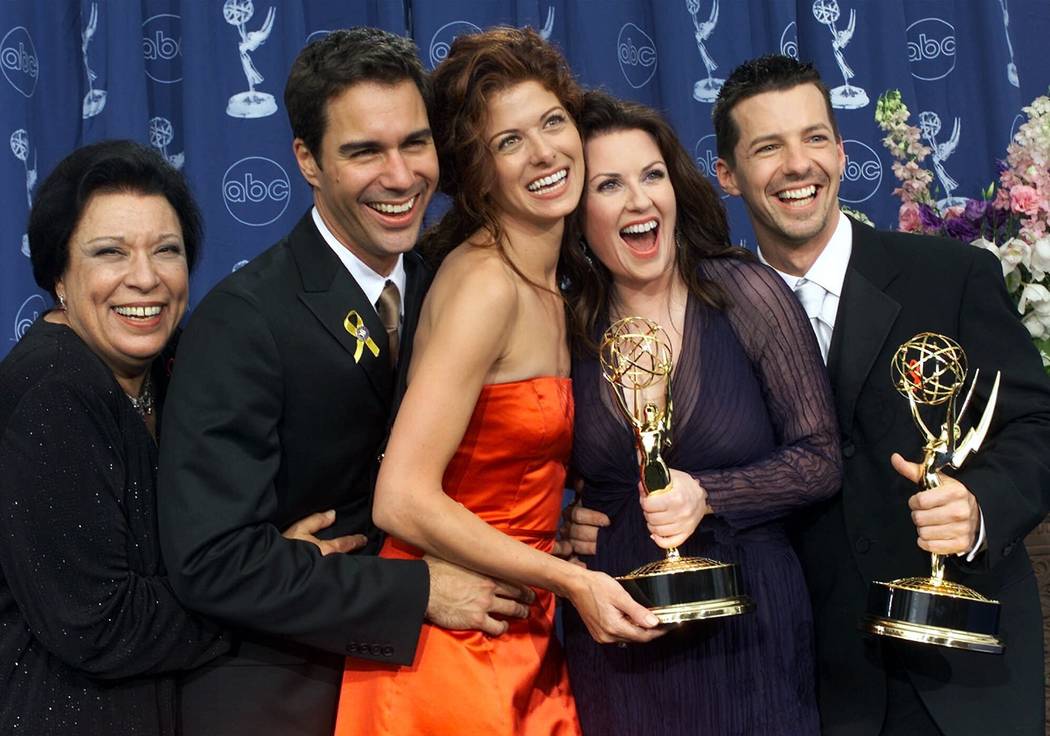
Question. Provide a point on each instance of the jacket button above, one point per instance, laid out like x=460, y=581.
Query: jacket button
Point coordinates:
x=388, y=651
x=862, y=545
x=848, y=450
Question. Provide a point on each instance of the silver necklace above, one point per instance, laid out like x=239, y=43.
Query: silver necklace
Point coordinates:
x=143, y=403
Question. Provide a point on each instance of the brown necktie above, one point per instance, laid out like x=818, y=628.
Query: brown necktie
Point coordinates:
x=389, y=310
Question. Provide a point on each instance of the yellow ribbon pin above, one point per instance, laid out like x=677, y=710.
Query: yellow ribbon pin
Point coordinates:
x=353, y=324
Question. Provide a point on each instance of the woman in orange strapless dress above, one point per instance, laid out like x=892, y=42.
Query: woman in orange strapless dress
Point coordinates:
x=475, y=467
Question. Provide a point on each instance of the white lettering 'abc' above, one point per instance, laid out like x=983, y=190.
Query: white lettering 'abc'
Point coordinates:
x=95, y=99
x=161, y=134
x=789, y=40
x=18, y=60
x=845, y=96
x=256, y=190
x=253, y=103
x=861, y=174
x=930, y=127
x=705, y=155
x=162, y=47
x=20, y=148
x=636, y=53
x=705, y=90
x=441, y=41
x=931, y=48
x=27, y=314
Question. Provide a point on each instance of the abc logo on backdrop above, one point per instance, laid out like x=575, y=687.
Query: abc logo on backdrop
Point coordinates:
x=861, y=174
x=18, y=60
x=27, y=314
x=162, y=48
x=256, y=190
x=931, y=48
x=636, y=53
x=441, y=41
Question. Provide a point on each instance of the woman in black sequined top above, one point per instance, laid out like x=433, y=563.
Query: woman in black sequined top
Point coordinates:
x=91, y=635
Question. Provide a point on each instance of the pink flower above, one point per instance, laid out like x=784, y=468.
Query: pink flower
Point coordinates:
x=1024, y=200
x=908, y=218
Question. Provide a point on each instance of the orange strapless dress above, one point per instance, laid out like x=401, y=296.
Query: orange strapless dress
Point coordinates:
x=509, y=470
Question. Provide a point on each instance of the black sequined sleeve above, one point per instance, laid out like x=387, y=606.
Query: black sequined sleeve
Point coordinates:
x=78, y=543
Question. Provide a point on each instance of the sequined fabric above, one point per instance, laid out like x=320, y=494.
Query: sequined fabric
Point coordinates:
x=90, y=632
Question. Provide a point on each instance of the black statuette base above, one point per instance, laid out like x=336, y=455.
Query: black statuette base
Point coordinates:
x=917, y=610
x=688, y=589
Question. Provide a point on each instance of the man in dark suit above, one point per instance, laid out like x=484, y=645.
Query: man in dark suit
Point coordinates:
x=866, y=292
x=284, y=390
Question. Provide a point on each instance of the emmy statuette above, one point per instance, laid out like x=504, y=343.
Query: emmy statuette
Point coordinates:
x=636, y=361
x=930, y=370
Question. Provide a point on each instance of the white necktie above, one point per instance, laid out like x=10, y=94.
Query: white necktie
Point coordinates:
x=812, y=296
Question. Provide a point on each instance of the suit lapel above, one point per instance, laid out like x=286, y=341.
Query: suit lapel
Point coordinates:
x=864, y=319
x=417, y=281
x=330, y=293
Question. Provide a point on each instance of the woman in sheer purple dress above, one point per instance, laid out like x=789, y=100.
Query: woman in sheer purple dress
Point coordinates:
x=753, y=432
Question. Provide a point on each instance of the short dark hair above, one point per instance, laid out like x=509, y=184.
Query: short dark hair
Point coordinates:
x=478, y=67
x=770, y=73
x=341, y=59
x=701, y=230
x=105, y=167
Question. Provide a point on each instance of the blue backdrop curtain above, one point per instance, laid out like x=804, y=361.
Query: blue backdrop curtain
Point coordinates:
x=173, y=74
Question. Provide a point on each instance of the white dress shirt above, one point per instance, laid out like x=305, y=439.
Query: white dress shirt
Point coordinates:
x=371, y=283
x=829, y=271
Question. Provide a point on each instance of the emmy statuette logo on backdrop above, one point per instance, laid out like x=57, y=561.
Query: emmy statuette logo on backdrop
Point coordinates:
x=930, y=125
x=161, y=133
x=253, y=103
x=20, y=148
x=705, y=90
x=95, y=99
x=845, y=96
x=1011, y=67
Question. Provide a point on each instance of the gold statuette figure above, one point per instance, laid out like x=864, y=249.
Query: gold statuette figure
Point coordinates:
x=636, y=362
x=929, y=371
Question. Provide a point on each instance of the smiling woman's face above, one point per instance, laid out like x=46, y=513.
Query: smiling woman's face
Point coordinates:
x=537, y=154
x=127, y=281
x=630, y=209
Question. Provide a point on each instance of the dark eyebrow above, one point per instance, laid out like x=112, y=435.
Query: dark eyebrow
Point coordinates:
x=351, y=147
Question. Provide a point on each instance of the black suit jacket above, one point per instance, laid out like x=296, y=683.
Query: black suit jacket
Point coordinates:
x=896, y=286
x=270, y=418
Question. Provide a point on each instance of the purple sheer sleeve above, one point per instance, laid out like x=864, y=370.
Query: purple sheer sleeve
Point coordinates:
x=776, y=335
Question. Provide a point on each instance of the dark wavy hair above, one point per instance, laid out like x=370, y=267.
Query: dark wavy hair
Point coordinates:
x=105, y=167
x=327, y=66
x=477, y=67
x=702, y=230
x=770, y=73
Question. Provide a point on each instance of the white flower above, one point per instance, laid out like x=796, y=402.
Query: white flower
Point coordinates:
x=1037, y=297
x=1038, y=325
x=1040, y=263
x=1015, y=252
x=987, y=245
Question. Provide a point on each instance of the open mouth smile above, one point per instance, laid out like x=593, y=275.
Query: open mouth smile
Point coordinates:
x=799, y=197
x=642, y=238
x=395, y=209
x=550, y=183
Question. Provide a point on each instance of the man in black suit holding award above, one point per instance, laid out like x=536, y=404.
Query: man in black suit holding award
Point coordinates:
x=867, y=292
x=285, y=385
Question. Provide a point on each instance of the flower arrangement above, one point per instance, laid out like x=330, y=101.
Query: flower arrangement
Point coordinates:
x=1011, y=221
